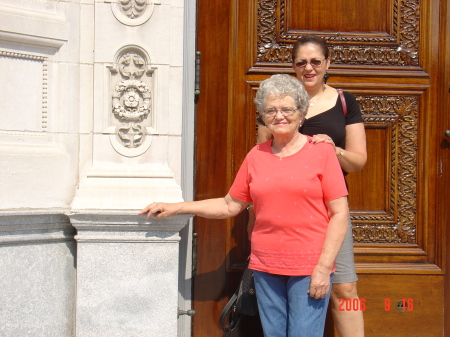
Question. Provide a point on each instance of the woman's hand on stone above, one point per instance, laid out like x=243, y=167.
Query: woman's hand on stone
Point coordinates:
x=160, y=210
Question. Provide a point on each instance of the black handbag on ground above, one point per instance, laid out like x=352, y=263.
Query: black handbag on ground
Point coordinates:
x=242, y=303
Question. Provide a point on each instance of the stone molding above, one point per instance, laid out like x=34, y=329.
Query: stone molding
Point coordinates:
x=40, y=226
x=125, y=226
x=45, y=27
x=44, y=61
x=34, y=226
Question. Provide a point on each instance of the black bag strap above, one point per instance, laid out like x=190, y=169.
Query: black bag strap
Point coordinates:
x=344, y=103
x=229, y=317
x=227, y=312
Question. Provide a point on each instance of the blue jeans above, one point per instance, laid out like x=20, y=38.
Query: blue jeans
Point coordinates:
x=285, y=307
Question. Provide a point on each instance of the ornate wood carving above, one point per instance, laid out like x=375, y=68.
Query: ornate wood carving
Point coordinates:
x=399, y=224
x=399, y=47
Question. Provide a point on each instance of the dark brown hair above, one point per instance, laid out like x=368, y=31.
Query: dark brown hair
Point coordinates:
x=310, y=39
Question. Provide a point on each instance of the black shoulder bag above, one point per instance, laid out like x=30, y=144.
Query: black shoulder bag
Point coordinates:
x=242, y=303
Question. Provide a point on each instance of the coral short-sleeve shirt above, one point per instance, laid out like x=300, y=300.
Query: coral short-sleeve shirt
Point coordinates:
x=289, y=196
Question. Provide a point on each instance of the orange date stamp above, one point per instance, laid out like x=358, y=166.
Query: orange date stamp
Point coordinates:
x=360, y=304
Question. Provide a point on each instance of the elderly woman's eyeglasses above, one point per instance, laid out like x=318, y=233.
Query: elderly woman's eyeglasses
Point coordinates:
x=315, y=63
x=286, y=112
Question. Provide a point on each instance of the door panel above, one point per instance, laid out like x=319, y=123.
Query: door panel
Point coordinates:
x=397, y=306
x=385, y=53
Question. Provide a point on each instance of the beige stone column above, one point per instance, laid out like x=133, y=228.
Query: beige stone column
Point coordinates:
x=127, y=273
x=130, y=156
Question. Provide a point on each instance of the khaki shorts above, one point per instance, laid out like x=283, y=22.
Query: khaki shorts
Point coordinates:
x=345, y=260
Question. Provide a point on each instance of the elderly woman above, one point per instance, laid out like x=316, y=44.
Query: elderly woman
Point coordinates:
x=299, y=197
x=327, y=122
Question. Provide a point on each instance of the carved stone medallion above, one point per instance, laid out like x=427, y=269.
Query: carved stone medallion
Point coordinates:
x=132, y=12
x=132, y=82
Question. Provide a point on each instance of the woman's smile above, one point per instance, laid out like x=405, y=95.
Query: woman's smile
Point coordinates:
x=278, y=123
x=309, y=76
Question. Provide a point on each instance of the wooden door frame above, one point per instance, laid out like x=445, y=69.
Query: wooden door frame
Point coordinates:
x=444, y=165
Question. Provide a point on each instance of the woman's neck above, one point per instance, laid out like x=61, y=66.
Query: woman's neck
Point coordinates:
x=284, y=149
x=280, y=143
x=315, y=91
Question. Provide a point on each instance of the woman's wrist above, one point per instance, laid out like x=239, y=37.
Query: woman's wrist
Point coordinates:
x=324, y=269
x=339, y=152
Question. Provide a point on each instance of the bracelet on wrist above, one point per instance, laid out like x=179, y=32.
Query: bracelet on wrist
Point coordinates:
x=341, y=153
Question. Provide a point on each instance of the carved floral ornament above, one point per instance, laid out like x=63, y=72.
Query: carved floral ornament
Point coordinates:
x=399, y=224
x=133, y=12
x=132, y=102
x=274, y=41
x=133, y=8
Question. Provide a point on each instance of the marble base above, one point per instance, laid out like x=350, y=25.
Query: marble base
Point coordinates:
x=127, y=279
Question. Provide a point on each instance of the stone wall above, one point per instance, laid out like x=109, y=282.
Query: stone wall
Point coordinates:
x=91, y=120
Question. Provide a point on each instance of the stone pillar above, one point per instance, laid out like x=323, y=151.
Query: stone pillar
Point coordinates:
x=130, y=155
x=127, y=273
x=37, y=273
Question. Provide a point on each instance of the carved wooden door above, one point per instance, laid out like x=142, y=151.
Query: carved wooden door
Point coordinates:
x=393, y=55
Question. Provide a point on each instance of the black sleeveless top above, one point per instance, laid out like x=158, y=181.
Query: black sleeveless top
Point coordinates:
x=332, y=122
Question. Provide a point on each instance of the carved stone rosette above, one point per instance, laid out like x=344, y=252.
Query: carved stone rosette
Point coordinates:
x=131, y=79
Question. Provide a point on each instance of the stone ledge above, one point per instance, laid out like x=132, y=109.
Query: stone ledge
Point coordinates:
x=24, y=226
x=125, y=226
x=32, y=27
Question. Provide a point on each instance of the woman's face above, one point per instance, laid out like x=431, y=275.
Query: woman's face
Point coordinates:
x=311, y=75
x=277, y=123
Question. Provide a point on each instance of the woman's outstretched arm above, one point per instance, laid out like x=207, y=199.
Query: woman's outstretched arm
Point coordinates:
x=219, y=208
